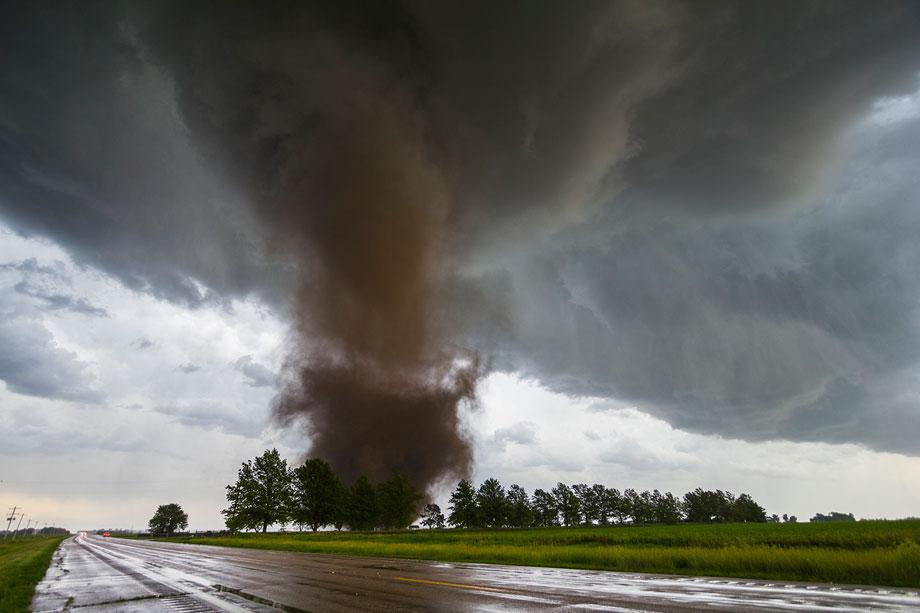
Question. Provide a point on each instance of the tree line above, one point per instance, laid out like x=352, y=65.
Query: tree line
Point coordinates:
x=269, y=492
x=491, y=506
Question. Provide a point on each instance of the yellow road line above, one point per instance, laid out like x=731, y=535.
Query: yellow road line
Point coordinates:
x=464, y=586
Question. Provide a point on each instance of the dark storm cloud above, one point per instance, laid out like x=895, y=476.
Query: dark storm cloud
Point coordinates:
x=635, y=200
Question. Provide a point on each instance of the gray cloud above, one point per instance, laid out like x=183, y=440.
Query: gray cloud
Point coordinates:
x=188, y=368
x=31, y=363
x=645, y=199
x=214, y=417
x=257, y=375
x=60, y=302
x=141, y=343
x=520, y=432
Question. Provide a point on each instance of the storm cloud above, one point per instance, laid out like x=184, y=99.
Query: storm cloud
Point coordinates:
x=683, y=206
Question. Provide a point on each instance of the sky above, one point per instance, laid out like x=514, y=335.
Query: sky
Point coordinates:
x=648, y=244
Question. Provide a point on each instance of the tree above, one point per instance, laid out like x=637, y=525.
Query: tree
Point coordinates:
x=641, y=506
x=793, y=519
x=432, y=516
x=704, y=506
x=261, y=495
x=666, y=508
x=587, y=501
x=490, y=499
x=545, y=509
x=361, y=505
x=833, y=516
x=602, y=500
x=317, y=497
x=520, y=513
x=463, y=510
x=398, y=502
x=168, y=519
x=744, y=509
x=567, y=503
x=618, y=506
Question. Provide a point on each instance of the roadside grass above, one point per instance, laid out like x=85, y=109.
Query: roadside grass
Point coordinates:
x=868, y=553
x=23, y=563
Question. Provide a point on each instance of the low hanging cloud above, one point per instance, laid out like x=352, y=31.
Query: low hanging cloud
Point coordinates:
x=676, y=205
x=257, y=375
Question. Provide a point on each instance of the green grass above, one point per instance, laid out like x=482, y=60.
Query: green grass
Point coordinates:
x=23, y=563
x=869, y=553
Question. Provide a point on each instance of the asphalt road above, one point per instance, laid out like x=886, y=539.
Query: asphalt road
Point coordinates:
x=107, y=574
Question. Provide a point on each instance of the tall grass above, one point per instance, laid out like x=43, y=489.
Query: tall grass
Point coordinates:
x=23, y=563
x=877, y=553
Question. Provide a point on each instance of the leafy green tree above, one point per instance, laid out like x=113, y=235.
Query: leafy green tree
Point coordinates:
x=588, y=501
x=602, y=500
x=833, y=516
x=618, y=506
x=640, y=506
x=261, y=495
x=492, y=503
x=545, y=509
x=432, y=517
x=520, y=513
x=168, y=519
x=744, y=509
x=704, y=506
x=398, y=502
x=463, y=510
x=361, y=505
x=666, y=508
x=318, y=495
x=568, y=504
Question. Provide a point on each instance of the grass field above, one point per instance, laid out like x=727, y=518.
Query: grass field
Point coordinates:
x=23, y=563
x=871, y=553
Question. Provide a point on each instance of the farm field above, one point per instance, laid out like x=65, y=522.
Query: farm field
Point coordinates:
x=869, y=553
x=23, y=563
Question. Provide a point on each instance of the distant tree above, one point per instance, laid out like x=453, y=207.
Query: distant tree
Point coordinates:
x=168, y=519
x=785, y=518
x=704, y=506
x=318, y=495
x=833, y=516
x=398, y=502
x=773, y=519
x=463, y=510
x=361, y=505
x=261, y=495
x=793, y=519
x=744, y=509
x=587, y=502
x=568, y=504
x=602, y=500
x=432, y=517
x=666, y=508
x=618, y=506
x=520, y=513
x=492, y=504
x=641, y=506
x=545, y=509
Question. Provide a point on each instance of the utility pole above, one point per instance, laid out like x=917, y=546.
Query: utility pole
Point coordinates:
x=9, y=521
x=17, y=525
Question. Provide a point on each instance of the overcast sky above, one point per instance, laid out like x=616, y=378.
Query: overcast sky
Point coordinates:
x=653, y=245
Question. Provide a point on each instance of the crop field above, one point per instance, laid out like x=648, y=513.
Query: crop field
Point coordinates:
x=869, y=553
x=23, y=563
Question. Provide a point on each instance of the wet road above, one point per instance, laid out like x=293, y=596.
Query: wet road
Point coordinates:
x=97, y=574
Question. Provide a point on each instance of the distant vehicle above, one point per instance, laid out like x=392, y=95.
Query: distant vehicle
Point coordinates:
x=106, y=534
